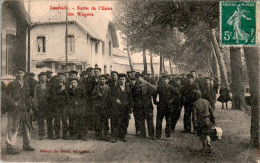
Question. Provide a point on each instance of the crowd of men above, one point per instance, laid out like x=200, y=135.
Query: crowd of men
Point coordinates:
x=74, y=104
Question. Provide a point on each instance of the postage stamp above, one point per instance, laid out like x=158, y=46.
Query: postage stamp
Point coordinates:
x=238, y=23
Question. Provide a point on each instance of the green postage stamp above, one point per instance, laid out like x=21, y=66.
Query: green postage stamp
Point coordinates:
x=238, y=23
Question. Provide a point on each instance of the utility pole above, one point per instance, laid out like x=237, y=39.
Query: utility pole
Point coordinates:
x=66, y=37
x=29, y=38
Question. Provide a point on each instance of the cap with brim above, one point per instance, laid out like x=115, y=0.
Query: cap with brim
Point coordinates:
x=42, y=74
x=73, y=72
x=49, y=72
x=103, y=76
x=139, y=75
x=89, y=69
x=21, y=69
x=84, y=72
x=113, y=72
x=97, y=68
x=165, y=76
x=60, y=73
x=121, y=75
x=71, y=79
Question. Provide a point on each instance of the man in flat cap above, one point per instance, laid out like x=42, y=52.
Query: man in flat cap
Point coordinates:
x=102, y=99
x=144, y=106
x=18, y=115
x=58, y=99
x=167, y=96
x=113, y=84
x=32, y=83
x=208, y=92
x=42, y=105
x=187, y=100
x=122, y=99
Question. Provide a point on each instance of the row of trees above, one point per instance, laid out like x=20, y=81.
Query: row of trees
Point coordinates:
x=187, y=32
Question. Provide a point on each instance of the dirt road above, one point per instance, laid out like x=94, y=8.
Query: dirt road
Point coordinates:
x=182, y=148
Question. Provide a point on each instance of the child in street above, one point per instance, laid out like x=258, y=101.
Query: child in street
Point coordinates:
x=224, y=96
x=203, y=120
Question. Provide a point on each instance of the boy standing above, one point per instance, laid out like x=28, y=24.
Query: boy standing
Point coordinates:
x=101, y=97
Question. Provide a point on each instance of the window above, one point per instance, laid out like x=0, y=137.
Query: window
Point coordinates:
x=71, y=43
x=103, y=48
x=8, y=63
x=110, y=48
x=96, y=47
x=41, y=44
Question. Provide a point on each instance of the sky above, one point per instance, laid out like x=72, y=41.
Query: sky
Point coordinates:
x=38, y=8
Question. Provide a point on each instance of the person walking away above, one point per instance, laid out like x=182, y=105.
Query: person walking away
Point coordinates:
x=203, y=120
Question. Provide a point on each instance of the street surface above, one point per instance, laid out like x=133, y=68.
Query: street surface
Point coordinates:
x=182, y=148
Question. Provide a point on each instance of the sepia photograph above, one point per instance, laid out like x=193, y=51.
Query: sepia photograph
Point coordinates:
x=130, y=81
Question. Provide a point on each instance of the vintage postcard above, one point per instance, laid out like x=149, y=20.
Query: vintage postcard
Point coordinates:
x=130, y=81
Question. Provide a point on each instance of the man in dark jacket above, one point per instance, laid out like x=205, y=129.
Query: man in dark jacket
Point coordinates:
x=57, y=98
x=187, y=101
x=209, y=93
x=144, y=105
x=123, y=102
x=167, y=95
x=18, y=115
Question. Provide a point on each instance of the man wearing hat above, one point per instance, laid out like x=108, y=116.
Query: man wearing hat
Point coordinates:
x=41, y=104
x=112, y=85
x=144, y=106
x=177, y=106
x=102, y=99
x=18, y=114
x=208, y=92
x=167, y=95
x=122, y=99
x=187, y=101
x=58, y=98
x=32, y=83
x=77, y=110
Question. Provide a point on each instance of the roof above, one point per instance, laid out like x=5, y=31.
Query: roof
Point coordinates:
x=119, y=53
x=96, y=26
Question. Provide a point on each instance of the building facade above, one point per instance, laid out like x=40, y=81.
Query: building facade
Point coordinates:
x=120, y=61
x=14, y=24
x=85, y=48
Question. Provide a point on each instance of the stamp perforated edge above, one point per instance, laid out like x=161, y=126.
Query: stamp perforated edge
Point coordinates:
x=220, y=28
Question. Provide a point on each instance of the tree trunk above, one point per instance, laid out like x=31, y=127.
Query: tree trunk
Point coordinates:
x=215, y=64
x=238, y=100
x=223, y=71
x=151, y=63
x=129, y=55
x=252, y=55
x=144, y=60
x=161, y=63
x=170, y=63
